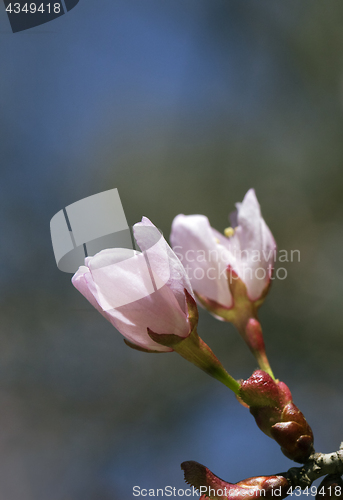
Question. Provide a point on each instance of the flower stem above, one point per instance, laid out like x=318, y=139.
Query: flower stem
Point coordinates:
x=195, y=350
x=251, y=332
x=263, y=363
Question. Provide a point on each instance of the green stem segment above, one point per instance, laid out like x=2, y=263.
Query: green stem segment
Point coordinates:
x=195, y=350
x=263, y=363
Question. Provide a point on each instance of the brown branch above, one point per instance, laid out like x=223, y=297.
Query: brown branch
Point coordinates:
x=318, y=465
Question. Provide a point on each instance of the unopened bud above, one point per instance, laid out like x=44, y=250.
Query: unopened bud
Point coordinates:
x=271, y=404
x=211, y=486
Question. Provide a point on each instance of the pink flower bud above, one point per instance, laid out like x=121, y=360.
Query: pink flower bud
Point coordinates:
x=211, y=486
x=230, y=274
x=148, y=297
x=249, y=250
x=136, y=291
x=271, y=404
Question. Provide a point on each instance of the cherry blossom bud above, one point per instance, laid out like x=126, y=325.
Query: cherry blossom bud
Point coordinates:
x=271, y=404
x=136, y=291
x=249, y=249
x=148, y=298
x=230, y=274
x=211, y=486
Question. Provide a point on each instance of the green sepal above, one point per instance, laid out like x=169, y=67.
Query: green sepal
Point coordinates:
x=165, y=339
x=142, y=349
x=192, y=315
x=243, y=314
x=192, y=310
x=242, y=308
x=194, y=349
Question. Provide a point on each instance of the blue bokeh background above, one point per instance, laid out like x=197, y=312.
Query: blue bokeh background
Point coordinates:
x=182, y=105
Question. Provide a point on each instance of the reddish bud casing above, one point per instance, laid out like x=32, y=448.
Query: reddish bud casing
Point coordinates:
x=271, y=404
x=211, y=486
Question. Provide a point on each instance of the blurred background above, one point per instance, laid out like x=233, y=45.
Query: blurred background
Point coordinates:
x=182, y=105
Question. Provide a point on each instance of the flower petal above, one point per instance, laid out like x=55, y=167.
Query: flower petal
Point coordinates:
x=205, y=260
x=80, y=283
x=118, y=283
x=163, y=261
x=254, y=246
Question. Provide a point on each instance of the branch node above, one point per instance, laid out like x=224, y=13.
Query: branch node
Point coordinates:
x=317, y=465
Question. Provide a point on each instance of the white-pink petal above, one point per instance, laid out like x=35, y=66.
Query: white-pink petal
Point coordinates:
x=165, y=265
x=132, y=290
x=205, y=260
x=250, y=251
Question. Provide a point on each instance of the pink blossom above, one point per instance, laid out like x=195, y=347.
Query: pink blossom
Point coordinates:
x=248, y=249
x=137, y=291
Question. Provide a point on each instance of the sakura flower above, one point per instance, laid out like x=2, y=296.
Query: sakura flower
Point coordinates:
x=139, y=290
x=248, y=249
x=148, y=298
x=230, y=273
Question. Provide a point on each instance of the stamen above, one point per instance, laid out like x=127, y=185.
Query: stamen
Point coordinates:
x=229, y=231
